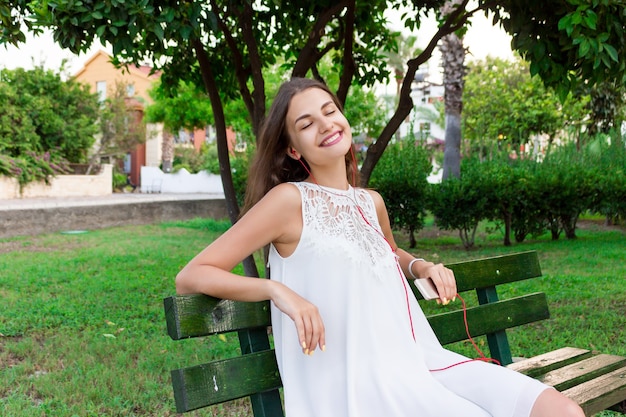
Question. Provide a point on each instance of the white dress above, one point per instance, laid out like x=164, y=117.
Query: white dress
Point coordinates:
x=373, y=366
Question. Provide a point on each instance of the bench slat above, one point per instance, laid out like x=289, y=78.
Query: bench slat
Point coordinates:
x=197, y=315
x=579, y=372
x=600, y=393
x=496, y=270
x=546, y=362
x=488, y=318
x=224, y=380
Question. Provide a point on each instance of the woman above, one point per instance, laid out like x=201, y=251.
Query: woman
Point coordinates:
x=338, y=284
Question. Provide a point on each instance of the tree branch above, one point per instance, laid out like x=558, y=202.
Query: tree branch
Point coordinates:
x=308, y=54
x=348, y=59
x=405, y=102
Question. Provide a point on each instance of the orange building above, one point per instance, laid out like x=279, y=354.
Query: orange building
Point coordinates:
x=102, y=76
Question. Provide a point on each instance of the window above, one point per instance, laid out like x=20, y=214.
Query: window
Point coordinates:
x=130, y=90
x=101, y=89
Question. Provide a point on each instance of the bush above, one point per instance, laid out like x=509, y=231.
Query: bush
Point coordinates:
x=461, y=203
x=31, y=167
x=607, y=154
x=529, y=197
x=239, y=166
x=44, y=123
x=401, y=178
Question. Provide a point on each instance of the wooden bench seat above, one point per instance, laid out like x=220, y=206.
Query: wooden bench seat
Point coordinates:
x=595, y=381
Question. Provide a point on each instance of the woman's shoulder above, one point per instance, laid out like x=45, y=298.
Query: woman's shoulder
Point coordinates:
x=376, y=197
x=284, y=193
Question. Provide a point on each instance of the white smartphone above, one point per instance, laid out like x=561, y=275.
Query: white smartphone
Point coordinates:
x=426, y=287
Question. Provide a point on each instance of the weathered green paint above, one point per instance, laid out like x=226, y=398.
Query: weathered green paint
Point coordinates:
x=218, y=381
x=201, y=315
x=485, y=319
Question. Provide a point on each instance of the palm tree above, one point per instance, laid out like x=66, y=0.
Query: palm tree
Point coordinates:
x=452, y=57
x=397, y=61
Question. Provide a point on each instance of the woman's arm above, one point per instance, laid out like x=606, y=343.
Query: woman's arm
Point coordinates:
x=442, y=277
x=209, y=271
x=275, y=219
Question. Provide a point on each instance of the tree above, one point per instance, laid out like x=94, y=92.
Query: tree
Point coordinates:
x=453, y=59
x=226, y=45
x=606, y=107
x=41, y=112
x=185, y=106
x=505, y=106
x=121, y=128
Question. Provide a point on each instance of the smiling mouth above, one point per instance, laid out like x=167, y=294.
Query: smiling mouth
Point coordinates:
x=331, y=140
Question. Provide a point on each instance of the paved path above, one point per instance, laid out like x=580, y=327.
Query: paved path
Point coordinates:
x=113, y=199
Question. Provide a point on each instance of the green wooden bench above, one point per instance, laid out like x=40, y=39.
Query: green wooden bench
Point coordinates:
x=595, y=381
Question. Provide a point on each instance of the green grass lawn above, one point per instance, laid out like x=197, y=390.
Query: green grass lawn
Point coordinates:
x=82, y=329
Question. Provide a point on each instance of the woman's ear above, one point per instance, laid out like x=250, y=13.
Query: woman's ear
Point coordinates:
x=293, y=153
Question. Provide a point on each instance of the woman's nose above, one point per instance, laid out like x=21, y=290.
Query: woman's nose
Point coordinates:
x=326, y=125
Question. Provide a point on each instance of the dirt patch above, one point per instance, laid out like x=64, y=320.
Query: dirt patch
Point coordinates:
x=36, y=244
x=8, y=359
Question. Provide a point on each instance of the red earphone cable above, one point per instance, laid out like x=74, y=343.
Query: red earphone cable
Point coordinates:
x=482, y=356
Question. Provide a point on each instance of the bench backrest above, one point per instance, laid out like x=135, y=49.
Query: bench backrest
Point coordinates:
x=255, y=372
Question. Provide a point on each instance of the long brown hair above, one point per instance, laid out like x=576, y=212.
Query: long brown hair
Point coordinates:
x=272, y=165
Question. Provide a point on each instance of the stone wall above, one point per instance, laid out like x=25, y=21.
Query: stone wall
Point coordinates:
x=61, y=186
x=34, y=221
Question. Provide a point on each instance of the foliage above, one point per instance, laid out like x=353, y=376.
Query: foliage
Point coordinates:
x=225, y=46
x=44, y=123
x=184, y=106
x=62, y=113
x=461, y=203
x=569, y=42
x=608, y=154
x=529, y=197
x=607, y=107
x=504, y=106
x=121, y=127
x=401, y=178
x=239, y=166
x=29, y=166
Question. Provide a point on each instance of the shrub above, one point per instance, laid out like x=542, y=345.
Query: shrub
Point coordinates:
x=44, y=123
x=461, y=203
x=401, y=178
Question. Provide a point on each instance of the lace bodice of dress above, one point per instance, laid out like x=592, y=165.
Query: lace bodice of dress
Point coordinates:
x=348, y=218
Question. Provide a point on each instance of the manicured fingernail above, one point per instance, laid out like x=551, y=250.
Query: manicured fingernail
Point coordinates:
x=306, y=351
x=453, y=299
x=323, y=348
x=303, y=345
x=445, y=301
x=311, y=353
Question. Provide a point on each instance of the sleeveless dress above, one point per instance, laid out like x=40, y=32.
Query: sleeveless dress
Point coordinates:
x=373, y=366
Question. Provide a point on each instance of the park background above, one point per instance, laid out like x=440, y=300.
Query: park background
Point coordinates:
x=82, y=325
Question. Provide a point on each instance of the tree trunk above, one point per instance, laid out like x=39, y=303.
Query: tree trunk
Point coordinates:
x=453, y=59
x=455, y=21
x=452, y=151
x=167, y=148
x=507, y=227
x=232, y=207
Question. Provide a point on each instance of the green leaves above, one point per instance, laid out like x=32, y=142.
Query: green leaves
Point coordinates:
x=40, y=112
x=583, y=40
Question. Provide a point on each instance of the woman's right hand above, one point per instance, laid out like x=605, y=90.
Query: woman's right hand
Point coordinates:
x=305, y=315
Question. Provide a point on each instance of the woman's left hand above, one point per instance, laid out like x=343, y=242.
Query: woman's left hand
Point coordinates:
x=444, y=280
